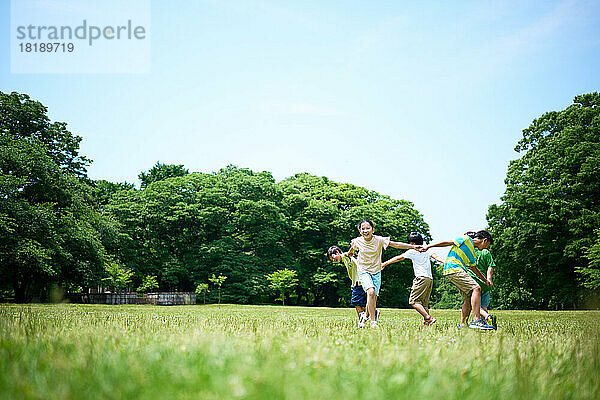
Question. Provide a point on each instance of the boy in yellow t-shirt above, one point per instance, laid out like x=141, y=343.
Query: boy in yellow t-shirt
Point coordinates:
x=358, y=297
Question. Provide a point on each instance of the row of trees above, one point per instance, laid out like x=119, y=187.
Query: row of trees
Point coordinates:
x=180, y=229
x=57, y=225
x=245, y=226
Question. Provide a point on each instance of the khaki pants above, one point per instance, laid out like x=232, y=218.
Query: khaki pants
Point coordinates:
x=463, y=282
x=421, y=290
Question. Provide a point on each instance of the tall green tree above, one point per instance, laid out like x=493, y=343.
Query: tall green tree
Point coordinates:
x=50, y=228
x=24, y=118
x=218, y=281
x=282, y=282
x=118, y=277
x=551, y=206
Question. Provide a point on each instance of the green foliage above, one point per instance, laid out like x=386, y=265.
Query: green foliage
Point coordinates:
x=282, y=281
x=56, y=225
x=241, y=224
x=103, y=190
x=202, y=288
x=218, y=281
x=50, y=228
x=160, y=172
x=24, y=118
x=550, y=209
x=591, y=272
x=118, y=277
x=148, y=284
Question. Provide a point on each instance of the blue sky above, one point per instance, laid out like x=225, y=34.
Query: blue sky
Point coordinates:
x=418, y=101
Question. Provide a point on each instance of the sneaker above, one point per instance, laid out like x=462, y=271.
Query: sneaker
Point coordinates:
x=480, y=324
x=429, y=321
x=374, y=324
x=376, y=315
x=492, y=321
x=362, y=320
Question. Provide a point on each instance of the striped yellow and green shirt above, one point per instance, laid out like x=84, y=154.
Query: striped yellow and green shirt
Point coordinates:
x=461, y=256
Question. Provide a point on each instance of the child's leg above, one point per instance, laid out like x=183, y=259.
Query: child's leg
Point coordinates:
x=476, y=302
x=372, y=283
x=359, y=309
x=485, y=302
x=419, y=295
x=358, y=298
x=483, y=312
x=421, y=310
x=371, y=303
x=465, y=311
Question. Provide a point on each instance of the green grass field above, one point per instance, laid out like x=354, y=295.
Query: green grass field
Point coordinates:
x=268, y=352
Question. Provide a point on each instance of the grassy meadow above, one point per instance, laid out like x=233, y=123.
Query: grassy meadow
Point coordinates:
x=267, y=352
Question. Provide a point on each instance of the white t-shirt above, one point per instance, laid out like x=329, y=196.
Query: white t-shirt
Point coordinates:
x=369, y=253
x=421, y=262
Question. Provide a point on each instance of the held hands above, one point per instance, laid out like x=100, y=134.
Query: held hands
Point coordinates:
x=420, y=248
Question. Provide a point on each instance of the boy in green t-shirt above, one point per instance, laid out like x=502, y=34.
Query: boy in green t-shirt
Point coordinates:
x=485, y=264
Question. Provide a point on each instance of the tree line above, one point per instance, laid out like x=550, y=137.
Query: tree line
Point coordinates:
x=179, y=230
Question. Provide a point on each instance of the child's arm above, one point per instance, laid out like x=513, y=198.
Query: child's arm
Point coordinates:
x=437, y=258
x=350, y=252
x=401, y=245
x=391, y=261
x=490, y=272
x=352, y=249
x=480, y=275
x=439, y=244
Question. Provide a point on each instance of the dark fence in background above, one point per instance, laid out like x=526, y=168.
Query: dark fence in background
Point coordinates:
x=160, y=299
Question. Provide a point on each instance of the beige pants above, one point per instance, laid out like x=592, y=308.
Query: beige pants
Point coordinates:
x=463, y=282
x=421, y=290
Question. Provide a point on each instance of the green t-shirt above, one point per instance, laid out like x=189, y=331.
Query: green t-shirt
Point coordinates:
x=484, y=261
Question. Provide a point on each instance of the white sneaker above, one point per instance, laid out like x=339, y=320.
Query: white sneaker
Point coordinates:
x=362, y=320
x=374, y=324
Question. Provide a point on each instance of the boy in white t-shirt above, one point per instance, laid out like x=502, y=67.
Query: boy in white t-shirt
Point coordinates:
x=423, y=282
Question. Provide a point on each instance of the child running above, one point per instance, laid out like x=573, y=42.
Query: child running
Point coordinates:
x=370, y=247
x=486, y=265
x=423, y=282
x=358, y=297
x=461, y=256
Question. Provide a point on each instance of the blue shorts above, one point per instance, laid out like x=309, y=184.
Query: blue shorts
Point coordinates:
x=485, y=299
x=359, y=297
x=370, y=281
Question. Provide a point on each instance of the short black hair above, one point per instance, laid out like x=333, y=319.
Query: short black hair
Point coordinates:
x=483, y=234
x=367, y=221
x=415, y=238
x=333, y=250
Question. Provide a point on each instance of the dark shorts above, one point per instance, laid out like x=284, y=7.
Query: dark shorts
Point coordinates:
x=485, y=299
x=359, y=297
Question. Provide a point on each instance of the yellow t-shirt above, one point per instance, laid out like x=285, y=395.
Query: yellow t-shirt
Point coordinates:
x=369, y=252
x=350, y=264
